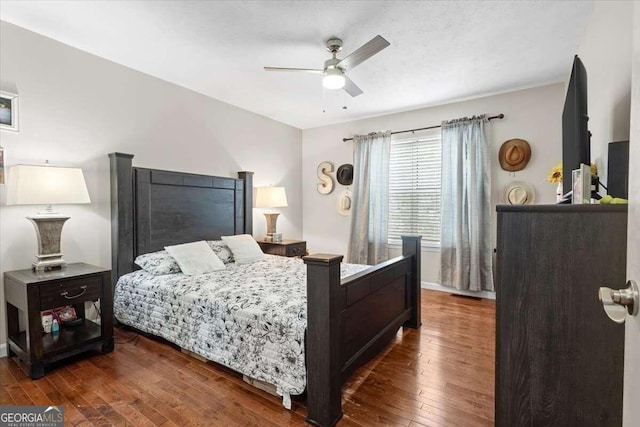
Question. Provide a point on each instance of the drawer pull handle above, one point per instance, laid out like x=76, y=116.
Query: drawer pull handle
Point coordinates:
x=66, y=294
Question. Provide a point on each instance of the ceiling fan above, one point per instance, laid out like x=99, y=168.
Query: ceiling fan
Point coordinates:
x=334, y=69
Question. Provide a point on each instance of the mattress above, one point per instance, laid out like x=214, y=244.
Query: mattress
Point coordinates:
x=251, y=318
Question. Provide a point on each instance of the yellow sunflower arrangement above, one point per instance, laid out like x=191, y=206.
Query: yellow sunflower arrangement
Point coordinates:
x=555, y=174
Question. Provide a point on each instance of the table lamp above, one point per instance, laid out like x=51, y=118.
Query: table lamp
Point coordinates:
x=47, y=185
x=271, y=197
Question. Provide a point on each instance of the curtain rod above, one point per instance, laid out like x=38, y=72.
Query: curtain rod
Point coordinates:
x=499, y=116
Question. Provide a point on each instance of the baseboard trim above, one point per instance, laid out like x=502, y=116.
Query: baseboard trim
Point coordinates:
x=440, y=288
x=3, y=350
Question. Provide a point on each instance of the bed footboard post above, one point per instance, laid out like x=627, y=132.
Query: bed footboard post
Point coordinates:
x=247, y=201
x=411, y=246
x=122, y=233
x=325, y=299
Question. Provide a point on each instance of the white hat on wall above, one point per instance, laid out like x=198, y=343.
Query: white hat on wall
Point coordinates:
x=519, y=193
x=344, y=203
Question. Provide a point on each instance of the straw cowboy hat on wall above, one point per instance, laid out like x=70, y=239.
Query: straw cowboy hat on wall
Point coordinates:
x=514, y=155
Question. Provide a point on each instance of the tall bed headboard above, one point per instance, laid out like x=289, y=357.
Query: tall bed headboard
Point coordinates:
x=151, y=209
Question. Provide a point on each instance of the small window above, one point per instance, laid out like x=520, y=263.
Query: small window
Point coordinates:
x=414, y=189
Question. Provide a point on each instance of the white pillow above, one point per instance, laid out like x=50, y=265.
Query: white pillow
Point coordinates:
x=244, y=248
x=195, y=258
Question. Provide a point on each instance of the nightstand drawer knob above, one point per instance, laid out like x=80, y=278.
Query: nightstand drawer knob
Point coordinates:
x=66, y=294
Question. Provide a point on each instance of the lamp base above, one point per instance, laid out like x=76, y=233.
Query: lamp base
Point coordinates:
x=272, y=236
x=51, y=262
x=48, y=230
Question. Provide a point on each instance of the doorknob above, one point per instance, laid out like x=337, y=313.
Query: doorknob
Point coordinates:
x=615, y=301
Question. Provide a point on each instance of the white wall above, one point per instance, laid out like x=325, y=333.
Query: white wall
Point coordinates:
x=75, y=108
x=605, y=50
x=533, y=114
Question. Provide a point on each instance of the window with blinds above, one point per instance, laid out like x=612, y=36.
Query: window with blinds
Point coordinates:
x=414, y=189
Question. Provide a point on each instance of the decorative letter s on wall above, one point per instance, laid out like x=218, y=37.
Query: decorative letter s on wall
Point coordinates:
x=326, y=186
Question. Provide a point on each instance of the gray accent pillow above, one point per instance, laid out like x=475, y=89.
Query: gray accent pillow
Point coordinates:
x=222, y=250
x=158, y=263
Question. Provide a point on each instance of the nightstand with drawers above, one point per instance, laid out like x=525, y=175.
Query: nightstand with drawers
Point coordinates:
x=32, y=292
x=288, y=248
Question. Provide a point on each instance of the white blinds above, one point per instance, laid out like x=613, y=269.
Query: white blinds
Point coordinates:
x=414, y=189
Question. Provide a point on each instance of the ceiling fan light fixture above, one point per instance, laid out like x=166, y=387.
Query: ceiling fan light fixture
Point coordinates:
x=333, y=79
x=334, y=70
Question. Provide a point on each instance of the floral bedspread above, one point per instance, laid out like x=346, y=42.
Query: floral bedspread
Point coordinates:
x=250, y=318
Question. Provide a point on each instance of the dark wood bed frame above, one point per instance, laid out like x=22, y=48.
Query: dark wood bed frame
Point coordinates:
x=348, y=321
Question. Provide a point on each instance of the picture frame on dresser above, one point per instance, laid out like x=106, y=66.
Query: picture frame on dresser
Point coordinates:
x=581, y=185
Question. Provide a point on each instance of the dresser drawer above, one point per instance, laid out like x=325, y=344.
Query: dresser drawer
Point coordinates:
x=296, y=249
x=68, y=291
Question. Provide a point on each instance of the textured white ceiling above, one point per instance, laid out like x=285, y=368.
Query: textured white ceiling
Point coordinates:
x=440, y=51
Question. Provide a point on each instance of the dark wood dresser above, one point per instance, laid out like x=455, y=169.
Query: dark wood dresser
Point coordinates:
x=559, y=359
x=289, y=248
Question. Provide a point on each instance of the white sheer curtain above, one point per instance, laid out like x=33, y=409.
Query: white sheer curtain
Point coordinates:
x=370, y=216
x=466, y=256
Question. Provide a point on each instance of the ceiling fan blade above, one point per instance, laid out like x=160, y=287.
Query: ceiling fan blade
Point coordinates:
x=351, y=88
x=363, y=53
x=304, y=70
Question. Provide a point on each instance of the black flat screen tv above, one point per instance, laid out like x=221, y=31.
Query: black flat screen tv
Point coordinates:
x=576, y=139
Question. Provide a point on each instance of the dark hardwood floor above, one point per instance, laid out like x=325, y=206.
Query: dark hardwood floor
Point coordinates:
x=439, y=375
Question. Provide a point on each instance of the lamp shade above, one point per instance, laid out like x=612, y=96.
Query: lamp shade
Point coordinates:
x=271, y=197
x=46, y=185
